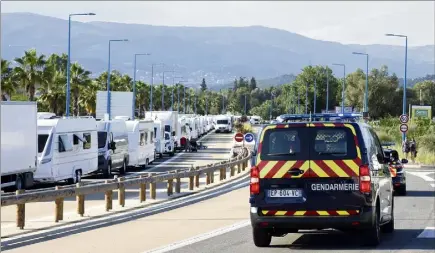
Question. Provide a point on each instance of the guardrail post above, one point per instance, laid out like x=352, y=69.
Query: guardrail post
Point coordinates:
x=80, y=198
x=208, y=178
x=142, y=190
x=178, y=183
x=170, y=185
x=59, y=208
x=121, y=192
x=239, y=168
x=232, y=171
x=108, y=198
x=212, y=177
x=197, y=180
x=153, y=188
x=221, y=174
x=21, y=212
x=191, y=178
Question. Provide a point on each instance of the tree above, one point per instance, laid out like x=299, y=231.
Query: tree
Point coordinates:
x=7, y=83
x=253, y=84
x=29, y=71
x=203, y=85
x=79, y=80
x=427, y=91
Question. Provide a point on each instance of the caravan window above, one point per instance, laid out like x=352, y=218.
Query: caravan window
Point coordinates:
x=152, y=136
x=155, y=132
x=42, y=141
x=75, y=139
x=87, y=141
x=142, y=138
x=64, y=143
x=167, y=128
x=102, y=136
x=146, y=137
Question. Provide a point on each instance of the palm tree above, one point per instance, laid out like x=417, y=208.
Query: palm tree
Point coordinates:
x=29, y=71
x=53, y=93
x=142, y=97
x=7, y=84
x=79, y=79
x=88, y=96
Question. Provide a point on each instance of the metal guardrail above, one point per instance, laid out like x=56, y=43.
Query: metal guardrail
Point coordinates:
x=80, y=190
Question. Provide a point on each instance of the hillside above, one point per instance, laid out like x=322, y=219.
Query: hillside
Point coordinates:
x=218, y=53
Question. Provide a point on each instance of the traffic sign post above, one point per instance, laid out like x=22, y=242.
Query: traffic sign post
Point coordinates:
x=239, y=137
x=404, y=118
x=249, y=137
x=404, y=128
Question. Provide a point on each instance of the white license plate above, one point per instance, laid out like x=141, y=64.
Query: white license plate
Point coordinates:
x=285, y=193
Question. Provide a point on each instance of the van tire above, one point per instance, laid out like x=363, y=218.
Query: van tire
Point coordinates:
x=108, y=171
x=261, y=237
x=123, y=169
x=160, y=156
x=372, y=235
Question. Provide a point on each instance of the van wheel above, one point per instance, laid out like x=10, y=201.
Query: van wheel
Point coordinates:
x=108, y=171
x=171, y=154
x=19, y=182
x=372, y=235
x=160, y=156
x=261, y=237
x=123, y=169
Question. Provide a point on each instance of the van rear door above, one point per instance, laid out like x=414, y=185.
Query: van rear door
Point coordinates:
x=310, y=169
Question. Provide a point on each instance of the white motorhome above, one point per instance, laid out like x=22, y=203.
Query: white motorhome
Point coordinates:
x=163, y=142
x=223, y=124
x=255, y=120
x=141, y=148
x=193, y=127
x=19, y=144
x=183, y=124
x=112, y=146
x=169, y=120
x=67, y=149
x=45, y=115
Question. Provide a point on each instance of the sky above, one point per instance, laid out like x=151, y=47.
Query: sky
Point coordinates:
x=351, y=22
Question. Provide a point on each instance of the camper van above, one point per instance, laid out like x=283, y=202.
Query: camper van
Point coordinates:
x=184, y=130
x=223, y=123
x=112, y=146
x=67, y=149
x=193, y=127
x=164, y=144
x=141, y=148
x=255, y=120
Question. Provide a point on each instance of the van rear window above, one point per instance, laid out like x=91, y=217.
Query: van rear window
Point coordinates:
x=308, y=144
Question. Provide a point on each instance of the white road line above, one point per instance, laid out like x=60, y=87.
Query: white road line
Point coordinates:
x=428, y=232
x=423, y=175
x=201, y=237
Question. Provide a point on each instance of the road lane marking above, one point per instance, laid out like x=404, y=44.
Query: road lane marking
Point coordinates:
x=201, y=237
x=423, y=175
x=428, y=232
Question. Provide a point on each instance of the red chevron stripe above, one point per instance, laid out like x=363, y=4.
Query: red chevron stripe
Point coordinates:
x=325, y=168
x=352, y=212
x=271, y=212
x=262, y=164
x=345, y=168
x=290, y=213
x=333, y=213
x=311, y=213
x=275, y=169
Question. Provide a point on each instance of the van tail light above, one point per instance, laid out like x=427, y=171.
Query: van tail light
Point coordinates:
x=364, y=179
x=254, y=185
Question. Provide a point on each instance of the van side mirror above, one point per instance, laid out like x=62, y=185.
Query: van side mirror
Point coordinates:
x=173, y=133
x=253, y=153
x=404, y=161
x=113, y=145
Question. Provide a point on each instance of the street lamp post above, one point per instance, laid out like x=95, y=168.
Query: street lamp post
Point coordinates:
x=163, y=88
x=108, y=78
x=306, y=97
x=69, y=59
x=315, y=94
x=366, y=92
x=134, y=84
x=406, y=66
x=344, y=84
x=152, y=84
x=327, y=89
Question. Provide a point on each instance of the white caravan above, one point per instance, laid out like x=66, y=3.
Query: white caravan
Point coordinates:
x=141, y=148
x=163, y=142
x=68, y=149
x=19, y=144
x=193, y=127
x=184, y=129
x=169, y=120
x=223, y=123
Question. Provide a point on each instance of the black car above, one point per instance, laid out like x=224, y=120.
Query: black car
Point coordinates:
x=319, y=175
x=397, y=170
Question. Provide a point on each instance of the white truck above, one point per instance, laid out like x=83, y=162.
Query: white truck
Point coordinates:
x=19, y=144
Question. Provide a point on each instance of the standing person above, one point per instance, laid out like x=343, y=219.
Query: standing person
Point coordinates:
x=413, y=149
x=405, y=147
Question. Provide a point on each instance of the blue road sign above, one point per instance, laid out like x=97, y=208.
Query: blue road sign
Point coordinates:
x=249, y=137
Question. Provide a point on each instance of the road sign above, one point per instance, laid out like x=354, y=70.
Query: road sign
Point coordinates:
x=238, y=137
x=249, y=137
x=404, y=128
x=404, y=118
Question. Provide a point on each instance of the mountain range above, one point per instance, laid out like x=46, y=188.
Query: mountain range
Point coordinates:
x=220, y=54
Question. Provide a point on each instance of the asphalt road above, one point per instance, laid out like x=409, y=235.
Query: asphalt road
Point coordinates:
x=413, y=213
